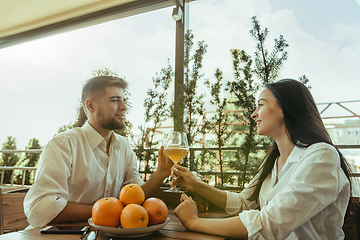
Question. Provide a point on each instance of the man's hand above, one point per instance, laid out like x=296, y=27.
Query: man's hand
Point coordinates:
x=164, y=172
x=152, y=185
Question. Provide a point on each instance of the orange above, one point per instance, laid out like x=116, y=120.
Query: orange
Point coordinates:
x=106, y=212
x=157, y=210
x=134, y=216
x=132, y=193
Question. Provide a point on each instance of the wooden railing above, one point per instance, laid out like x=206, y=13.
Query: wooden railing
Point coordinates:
x=12, y=169
x=216, y=174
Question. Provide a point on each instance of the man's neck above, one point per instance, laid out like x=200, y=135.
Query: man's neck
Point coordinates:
x=105, y=133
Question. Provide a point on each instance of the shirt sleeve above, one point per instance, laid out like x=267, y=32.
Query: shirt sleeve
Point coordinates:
x=237, y=202
x=47, y=197
x=132, y=174
x=314, y=185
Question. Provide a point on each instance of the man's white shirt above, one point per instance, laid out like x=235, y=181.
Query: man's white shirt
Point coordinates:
x=74, y=166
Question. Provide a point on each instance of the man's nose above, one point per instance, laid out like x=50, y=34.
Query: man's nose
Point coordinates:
x=122, y=106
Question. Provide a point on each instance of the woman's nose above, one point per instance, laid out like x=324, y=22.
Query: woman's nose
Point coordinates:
x=254, y=115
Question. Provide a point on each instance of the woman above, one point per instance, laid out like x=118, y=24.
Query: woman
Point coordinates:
x=302, y=187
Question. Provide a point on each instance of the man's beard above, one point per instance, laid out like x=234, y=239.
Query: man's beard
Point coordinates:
x=110, y=124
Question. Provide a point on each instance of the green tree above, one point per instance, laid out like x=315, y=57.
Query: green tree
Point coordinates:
x=305, y=80
x=193, y=103
x=267, y=64
x=63, y=128
x=244, y=89
x=30, y=160
x=9, y=159
x=220, y=122
x=156, y=112
x=266, y=67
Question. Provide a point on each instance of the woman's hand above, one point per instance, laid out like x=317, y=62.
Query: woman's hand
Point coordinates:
x=184, y=177
x=188, y=215
x=187, y=212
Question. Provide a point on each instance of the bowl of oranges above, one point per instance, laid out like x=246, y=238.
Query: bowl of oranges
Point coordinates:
x=130, y=215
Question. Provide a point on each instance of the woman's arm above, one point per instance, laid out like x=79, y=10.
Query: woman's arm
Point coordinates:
x=187, y=179
x=229, y=227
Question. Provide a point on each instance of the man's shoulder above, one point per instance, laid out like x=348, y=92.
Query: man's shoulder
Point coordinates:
x=122, y=142
x=120, y=138
x=70, y=134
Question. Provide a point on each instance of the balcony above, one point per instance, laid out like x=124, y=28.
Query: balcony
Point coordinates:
x=20, y=172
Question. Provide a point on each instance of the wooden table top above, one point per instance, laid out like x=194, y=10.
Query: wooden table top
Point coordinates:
x=173, y=230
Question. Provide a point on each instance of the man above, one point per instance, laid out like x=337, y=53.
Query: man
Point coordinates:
x=82, y=165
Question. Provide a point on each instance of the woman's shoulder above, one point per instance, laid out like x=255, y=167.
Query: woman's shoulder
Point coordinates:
x=321, y=148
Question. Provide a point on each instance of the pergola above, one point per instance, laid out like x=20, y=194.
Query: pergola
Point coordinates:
x=26, y=20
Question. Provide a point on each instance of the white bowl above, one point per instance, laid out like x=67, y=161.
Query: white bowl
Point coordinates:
x=128, y=232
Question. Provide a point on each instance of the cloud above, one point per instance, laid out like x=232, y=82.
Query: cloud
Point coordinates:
x=41, y=80
x=347, y=33
x=328, y=63
x=330, y=66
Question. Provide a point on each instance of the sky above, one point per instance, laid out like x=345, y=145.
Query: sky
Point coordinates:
x=41, y=80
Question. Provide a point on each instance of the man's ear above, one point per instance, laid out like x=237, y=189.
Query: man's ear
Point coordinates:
x=90, y=105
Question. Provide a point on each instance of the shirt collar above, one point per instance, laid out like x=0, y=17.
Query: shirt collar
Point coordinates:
x=296, y=154
x=95, y=138
x=92, y=135
x=114, y=141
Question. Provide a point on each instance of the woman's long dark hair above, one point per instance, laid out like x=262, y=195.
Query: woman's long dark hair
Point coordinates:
x=303, y=124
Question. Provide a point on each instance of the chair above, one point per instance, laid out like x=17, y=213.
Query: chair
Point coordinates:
x=12, y=216
x=351, y=225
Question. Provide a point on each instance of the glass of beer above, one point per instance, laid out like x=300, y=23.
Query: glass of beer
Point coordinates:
x=176, y=148
x=167, y=161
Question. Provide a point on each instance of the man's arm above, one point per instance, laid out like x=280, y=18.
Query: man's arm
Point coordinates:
x=73, y=212
x=152, y=185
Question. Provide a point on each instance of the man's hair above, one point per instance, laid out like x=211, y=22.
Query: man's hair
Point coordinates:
x=95, y=87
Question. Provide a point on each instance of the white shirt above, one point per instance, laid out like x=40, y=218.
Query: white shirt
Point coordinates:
x=74, y=166
x=308, y=202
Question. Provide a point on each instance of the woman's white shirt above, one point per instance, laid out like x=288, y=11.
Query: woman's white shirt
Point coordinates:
x=308, y=202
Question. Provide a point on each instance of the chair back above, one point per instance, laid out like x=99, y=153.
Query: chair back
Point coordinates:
x=351, y=225
x=12, y=216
